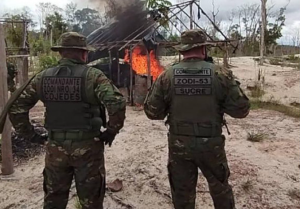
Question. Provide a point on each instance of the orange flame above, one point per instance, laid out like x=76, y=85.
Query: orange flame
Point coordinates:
x=139, y=62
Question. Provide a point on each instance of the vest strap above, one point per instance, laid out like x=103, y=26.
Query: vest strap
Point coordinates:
x=195, y=129
x=71, y=135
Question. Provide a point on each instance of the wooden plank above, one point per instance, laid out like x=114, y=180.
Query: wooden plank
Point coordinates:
x=148, y=70
x=20, y=76
x=6, y=146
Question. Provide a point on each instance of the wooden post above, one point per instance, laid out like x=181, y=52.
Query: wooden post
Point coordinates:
x=110, y=65
x=262, y=30
x=25, y=65
x=6, y=147
x=225, y=57
x=131, y=77
x=148, y=70
x=51, y=37
x=119, y=70
x=20, y=71
x=191, y=14
x=24, y=34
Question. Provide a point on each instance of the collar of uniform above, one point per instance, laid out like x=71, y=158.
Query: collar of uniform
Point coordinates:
x=192, y=59
x=64, y=61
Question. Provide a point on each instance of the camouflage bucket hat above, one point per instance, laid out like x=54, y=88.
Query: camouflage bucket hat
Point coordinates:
x=191, y=39
x=72, y=40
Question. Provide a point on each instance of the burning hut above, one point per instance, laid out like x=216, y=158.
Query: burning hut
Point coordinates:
x=129, y=43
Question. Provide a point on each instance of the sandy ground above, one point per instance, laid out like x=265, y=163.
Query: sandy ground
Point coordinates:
x=263, y=174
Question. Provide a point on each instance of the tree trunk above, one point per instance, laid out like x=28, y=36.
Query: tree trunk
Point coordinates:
x=262, y=31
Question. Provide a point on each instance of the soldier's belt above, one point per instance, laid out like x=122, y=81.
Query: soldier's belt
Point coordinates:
x=72, y=135
x=194, y=129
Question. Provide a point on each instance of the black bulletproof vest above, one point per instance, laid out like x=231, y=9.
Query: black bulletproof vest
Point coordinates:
x=69, y=100
x=194, y=110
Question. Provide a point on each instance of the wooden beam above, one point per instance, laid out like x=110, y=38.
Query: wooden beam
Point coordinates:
x=20, y=77
x=6, y=146
x=148, y=70
x=191, y=15
x=131, y=77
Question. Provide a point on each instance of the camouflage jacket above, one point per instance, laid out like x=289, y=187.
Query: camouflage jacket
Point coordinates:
x=105, y=92
x=229, y=95
x=11, y=70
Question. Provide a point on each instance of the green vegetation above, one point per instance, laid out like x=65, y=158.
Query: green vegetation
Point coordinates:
x=289, y=61
x=274, y=105
x=257, y=91
x=77, y=203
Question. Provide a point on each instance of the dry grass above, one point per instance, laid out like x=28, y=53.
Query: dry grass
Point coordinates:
x=247, y=186
x=294, y=194
x=256, y=92
x=256, y=136
x=274, y=105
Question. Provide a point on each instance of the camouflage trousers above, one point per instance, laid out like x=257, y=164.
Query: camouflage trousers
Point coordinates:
x=82, y=160
x=186, y=155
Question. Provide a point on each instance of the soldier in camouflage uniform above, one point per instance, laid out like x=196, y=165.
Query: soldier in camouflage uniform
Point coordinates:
x=194, y=95
x=72, y=94
x=11, y=74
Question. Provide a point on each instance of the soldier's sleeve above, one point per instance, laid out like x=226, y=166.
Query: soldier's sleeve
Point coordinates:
x=112, y=99
x=19, y=111
x=157, y=102
x=233, y=100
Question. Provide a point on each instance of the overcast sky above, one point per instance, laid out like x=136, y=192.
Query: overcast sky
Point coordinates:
x=225, y=6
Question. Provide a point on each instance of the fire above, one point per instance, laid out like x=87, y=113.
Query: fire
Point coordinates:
x=139, y=62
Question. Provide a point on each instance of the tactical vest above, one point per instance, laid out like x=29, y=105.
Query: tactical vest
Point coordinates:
x=69, y=100
x=194, y=110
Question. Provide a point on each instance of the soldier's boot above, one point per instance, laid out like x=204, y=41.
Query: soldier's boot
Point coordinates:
x=183, y=175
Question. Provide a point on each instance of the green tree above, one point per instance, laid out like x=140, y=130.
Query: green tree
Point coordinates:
x=55, y=24
x=44, y=9
x=87, y=20
x=273, y=32
x=162, y=7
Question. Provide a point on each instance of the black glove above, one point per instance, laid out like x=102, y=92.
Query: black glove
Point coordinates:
x=108, y=137
x=39, y=139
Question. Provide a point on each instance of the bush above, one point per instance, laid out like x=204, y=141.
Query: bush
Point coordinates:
x=256, y=137
x=47, y=61
x=276, y=106
x=275, y=61
x=292, y=58
x=257, y=91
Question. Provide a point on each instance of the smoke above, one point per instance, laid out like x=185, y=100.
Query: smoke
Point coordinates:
x=127, y=18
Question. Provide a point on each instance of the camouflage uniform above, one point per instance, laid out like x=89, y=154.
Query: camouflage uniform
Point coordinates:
x=11, y=74
x=194, y=95
x=70, y=151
